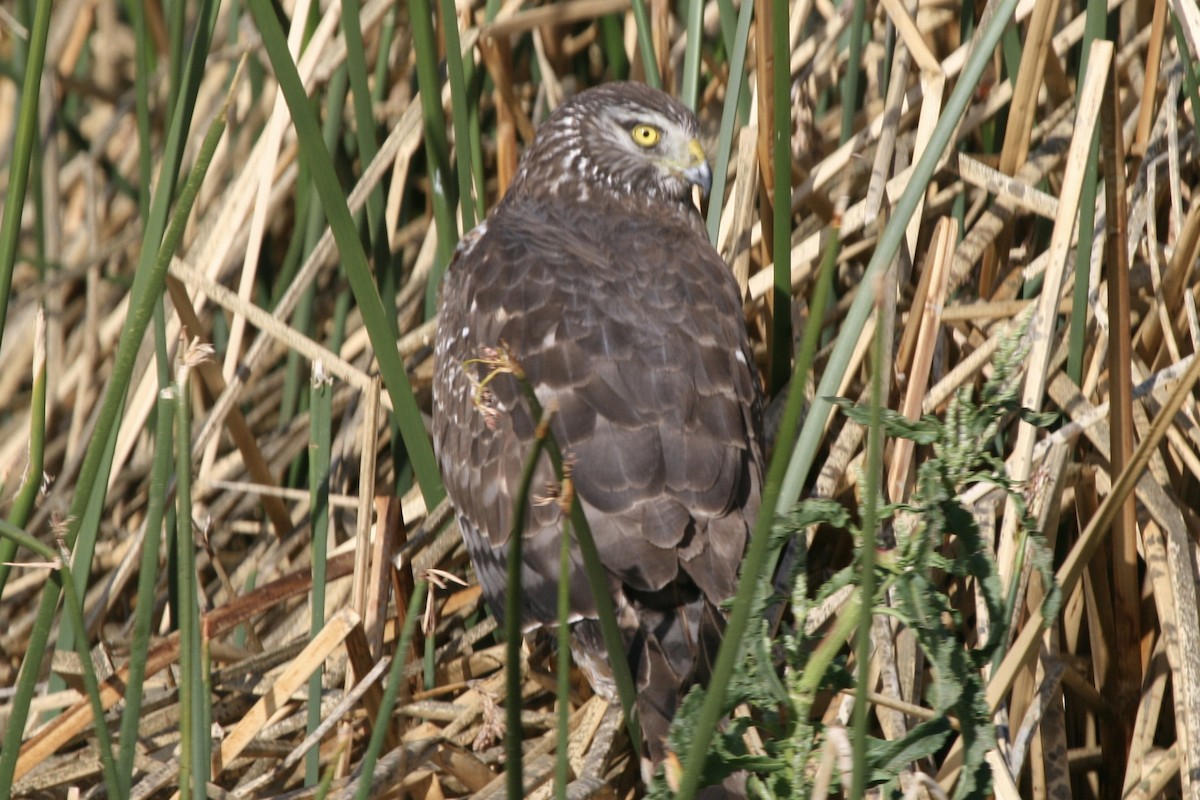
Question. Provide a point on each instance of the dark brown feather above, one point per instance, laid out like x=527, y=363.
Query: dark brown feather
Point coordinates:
x=596, y=275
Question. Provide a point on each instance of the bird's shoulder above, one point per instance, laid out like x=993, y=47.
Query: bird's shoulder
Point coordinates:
x=535, y=252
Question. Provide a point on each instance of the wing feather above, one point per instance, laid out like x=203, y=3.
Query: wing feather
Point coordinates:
x=634, y=338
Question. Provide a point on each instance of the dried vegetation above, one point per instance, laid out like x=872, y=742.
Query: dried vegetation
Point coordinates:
x=1105, y=701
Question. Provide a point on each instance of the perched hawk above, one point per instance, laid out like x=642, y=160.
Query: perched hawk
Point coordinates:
x=595, y=274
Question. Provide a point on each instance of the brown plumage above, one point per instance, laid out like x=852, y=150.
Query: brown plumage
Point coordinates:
x=596, y=275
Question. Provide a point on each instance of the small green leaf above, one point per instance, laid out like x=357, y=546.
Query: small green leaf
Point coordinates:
x=1039, y=419
x=815, y=511
x=926, y=430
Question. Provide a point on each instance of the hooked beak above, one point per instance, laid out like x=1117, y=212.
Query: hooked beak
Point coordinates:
x=699, y=173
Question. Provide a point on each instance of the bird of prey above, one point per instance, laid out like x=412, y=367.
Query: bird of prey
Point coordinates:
x=594, y=274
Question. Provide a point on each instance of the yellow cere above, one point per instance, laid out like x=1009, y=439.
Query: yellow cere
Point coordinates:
x=646, y=135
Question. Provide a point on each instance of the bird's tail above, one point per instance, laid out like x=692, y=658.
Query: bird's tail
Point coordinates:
x=671, y=643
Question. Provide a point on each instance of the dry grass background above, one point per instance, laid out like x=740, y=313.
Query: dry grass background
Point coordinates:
x=1112, y=706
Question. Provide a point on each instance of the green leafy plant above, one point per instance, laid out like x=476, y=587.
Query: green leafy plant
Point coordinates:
x=781, y=678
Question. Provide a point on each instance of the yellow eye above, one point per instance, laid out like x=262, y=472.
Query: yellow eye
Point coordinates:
x=646, y=135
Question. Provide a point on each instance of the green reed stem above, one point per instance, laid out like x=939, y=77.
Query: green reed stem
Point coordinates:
x=31, y=483
x=866, y=556
x=160, y=477
x=22, y=156
x=320, y=410
x=562, y=765
x=755, y=575
x=646, y=44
